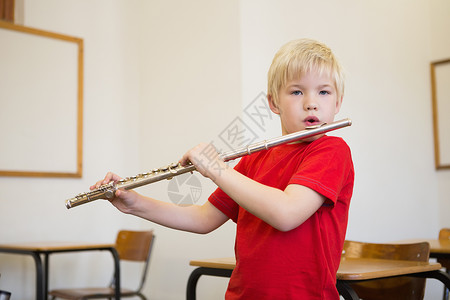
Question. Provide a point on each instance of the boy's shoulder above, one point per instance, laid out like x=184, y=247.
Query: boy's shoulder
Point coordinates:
x=331, y=144
x=330, y=141
x=324, y=144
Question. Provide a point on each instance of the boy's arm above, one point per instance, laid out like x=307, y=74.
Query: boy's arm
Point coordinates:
x=193, y=218
x=292, y=207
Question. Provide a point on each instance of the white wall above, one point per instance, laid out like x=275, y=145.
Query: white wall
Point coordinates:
x=440, y=49
x=33, y=208
x=161, y=76
x=191, y=83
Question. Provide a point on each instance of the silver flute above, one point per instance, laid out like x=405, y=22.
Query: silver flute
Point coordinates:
x=107, y=191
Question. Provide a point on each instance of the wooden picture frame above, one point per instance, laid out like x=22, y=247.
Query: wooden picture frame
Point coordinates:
x=7, y=8
x=440, y=91
x=41, y=103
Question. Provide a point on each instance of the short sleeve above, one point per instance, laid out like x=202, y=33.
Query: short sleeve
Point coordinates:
x=325, y=167
x=222, y=201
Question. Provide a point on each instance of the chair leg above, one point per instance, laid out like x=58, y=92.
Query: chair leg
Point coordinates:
x=4, y=295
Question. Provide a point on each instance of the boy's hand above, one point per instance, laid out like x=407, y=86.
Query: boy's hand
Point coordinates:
x=205, y=159
x=108, y=178
x=123, y=200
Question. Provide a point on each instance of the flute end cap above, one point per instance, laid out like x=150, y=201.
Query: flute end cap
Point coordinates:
x=69, y=203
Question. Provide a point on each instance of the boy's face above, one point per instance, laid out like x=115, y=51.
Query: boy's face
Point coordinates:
x=306, y=101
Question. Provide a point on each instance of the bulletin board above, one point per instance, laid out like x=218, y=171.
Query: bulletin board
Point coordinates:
x=41, y=103
x=440, y=87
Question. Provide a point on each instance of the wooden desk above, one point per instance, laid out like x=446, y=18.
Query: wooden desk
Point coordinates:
x=37, y=249
x=350, y=270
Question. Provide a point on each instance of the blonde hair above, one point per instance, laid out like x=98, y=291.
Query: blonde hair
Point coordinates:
x=298, y=57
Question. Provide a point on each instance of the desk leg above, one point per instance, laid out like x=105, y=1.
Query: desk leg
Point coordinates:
x=446, y=289
x=439, y=275
x=46, y=257
x=442, y=276
x=191, y=290
x=346, y=291
x=39, y=276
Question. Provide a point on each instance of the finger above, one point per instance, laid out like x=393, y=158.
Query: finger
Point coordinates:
x=109, y=176
x=184, y=161
x=96, y=185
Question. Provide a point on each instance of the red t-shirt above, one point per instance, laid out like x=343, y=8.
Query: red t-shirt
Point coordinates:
x=301, y=263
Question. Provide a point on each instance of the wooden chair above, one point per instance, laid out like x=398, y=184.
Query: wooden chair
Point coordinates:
x=407, y=288
x=444, y=234
x=131, y=246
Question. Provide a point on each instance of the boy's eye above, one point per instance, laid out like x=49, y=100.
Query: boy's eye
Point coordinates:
x=296, y=93
x=324, y=92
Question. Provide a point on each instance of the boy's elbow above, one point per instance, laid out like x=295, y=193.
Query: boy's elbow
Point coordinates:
x=285, y=224
x=285, y=227
x=287, y=219
x=203, y=230
x=207, y=225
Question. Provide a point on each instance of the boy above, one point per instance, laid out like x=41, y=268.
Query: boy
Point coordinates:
x=290, y=202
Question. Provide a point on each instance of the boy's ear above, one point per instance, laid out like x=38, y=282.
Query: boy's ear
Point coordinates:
x=338, y=105
x=272, y=105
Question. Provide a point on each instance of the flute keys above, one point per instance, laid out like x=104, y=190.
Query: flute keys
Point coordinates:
x=173, y=168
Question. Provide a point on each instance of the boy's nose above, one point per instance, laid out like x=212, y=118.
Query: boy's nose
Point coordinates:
x=311, y=106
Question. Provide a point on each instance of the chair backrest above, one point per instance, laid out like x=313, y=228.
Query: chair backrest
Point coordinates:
x=407, y=288
x=135, y=246
x=444, y=234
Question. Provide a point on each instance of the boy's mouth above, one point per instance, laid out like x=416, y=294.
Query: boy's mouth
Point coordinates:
x=311, y=121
